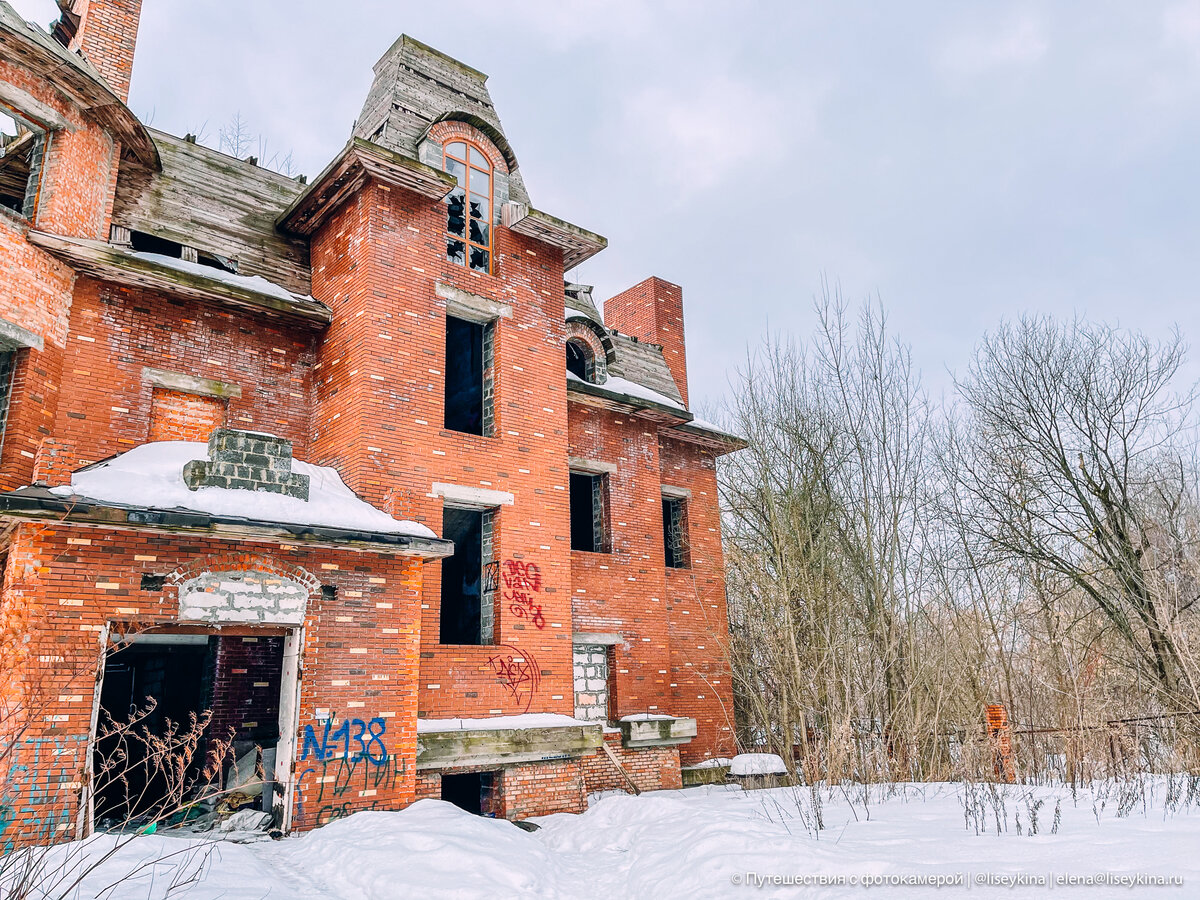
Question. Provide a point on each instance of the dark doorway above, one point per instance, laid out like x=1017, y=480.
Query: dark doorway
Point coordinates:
x=462, y=576
x=151, y=758
x=471, y=791
x=587, y=512
x=131, y=777
x=464, y=376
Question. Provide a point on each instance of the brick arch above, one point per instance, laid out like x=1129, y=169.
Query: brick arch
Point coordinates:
x=245, y=562
x=593, y=335
x=581, y=332
x=448, y=129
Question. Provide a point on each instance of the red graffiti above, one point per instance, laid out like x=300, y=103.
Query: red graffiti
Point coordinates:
x=518, y=672
x=521, y=581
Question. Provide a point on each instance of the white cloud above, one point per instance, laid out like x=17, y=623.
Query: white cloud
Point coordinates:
x=1020, y=42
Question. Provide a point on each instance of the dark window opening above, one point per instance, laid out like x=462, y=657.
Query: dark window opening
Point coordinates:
x=580, y=361
x=153, y=687
x=675, y=538
x=462, y=616
x=150, y=243
x=22, y=145
x=464, y=376
x=153, y=582
x=8, y=369
x=474, y=792
x=588, y=531
x=216, y=261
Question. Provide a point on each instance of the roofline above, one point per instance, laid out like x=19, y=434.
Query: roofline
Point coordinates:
x=38, y=503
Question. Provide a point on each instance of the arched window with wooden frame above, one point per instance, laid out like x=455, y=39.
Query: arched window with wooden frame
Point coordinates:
x=469, y=206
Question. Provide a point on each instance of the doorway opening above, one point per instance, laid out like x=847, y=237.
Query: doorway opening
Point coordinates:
x=188, y=729
x=473, y=792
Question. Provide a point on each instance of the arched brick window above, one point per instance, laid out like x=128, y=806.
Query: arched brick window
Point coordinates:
x=581, y=361
x=469, y=206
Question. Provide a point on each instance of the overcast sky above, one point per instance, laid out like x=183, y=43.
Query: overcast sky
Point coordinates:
x=965, y=161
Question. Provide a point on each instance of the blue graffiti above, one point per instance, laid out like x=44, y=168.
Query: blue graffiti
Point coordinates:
x=367, y=736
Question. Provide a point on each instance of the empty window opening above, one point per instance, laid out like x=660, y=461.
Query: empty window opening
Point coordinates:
x=216, y=261
x=22, y=145
x=468, y=376
x=151, y=243
x=588, y=502
x=467, y=609
x=675, y=536
x=8, y=369
x=474, y=792
x=469, y=207
x=156, y=689
x=580, y=360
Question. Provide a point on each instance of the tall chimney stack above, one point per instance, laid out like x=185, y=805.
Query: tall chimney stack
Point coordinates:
x=652, y=311
x=105, y=32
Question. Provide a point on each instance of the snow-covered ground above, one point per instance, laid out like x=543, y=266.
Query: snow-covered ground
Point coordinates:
x=709, y=842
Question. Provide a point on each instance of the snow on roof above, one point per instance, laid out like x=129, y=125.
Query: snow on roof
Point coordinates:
x=254, y=283
x=646, y=717
x=152, y=476
x=619, y=385
x=716, y=762
x=528, y=720
x=757, y=764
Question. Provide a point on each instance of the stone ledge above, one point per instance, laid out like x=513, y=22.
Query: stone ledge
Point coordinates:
x=656, y=732
x=505, y=746
x=190, y=384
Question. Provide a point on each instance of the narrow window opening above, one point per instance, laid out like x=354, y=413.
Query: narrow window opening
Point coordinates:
x=8, y=370
x=580, y=361
x=462, y=619
x=151, y=243
x=474, y=792
x=589, y=530
x=464, y=376
x=22, y=145
x=675, y=538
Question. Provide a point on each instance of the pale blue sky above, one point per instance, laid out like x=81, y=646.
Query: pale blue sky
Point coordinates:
x=963, y=160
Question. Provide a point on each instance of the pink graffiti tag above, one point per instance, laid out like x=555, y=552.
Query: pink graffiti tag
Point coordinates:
x=518, y=673
x=521, y=581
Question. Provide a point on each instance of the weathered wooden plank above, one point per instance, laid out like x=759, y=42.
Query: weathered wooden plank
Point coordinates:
x=219, y=204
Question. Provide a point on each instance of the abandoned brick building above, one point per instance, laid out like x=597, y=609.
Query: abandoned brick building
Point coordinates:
x=344, y=460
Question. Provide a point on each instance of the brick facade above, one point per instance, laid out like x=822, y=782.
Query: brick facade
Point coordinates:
x=118, y=355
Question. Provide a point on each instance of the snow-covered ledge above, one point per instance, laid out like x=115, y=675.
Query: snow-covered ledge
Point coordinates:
x=654, y=730
x=503, y=740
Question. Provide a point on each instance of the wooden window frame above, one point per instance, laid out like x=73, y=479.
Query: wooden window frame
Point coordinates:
x=465, y=237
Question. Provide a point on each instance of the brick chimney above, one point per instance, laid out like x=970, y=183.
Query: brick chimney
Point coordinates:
x=105, y=31
x=652, y=311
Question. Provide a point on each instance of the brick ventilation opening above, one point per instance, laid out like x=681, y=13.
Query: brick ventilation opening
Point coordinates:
x=176, y=416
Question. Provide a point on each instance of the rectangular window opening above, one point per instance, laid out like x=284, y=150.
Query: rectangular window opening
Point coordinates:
x=469, y=402
x=589, y=502
x=474, y=792
x=467, y=606
x=22, y=146
x=675, y=533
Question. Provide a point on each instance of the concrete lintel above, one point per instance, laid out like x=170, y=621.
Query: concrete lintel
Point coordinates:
x=190, y=384
x=14, y=337
x=471, y=497
x=657, y=732
x=465, y=305
x=591, y=466
x=505, y=746
x=676, y=493
x=596, y=637
x=23, y=102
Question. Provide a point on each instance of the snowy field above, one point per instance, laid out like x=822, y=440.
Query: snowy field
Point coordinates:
x=710, y=842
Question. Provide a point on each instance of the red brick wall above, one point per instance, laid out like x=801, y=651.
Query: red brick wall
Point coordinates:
x=651, y=768
x=540, y=789
x=176, y=416
x=107, y=36
x=653, y=311
x=380, y=409
x=106, y=404
x=245, y=687
x=64, y=584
